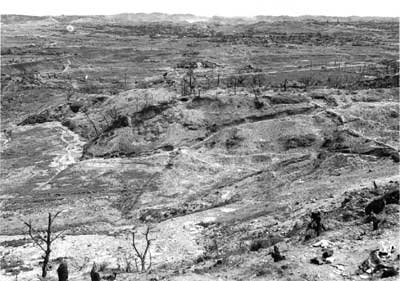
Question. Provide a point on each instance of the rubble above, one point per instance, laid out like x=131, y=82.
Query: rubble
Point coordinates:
x=380, y=262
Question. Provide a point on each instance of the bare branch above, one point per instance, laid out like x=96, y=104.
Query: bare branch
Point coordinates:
x=134, y=245
x=147, y=241
x=54, y=217
x=137, y=267
x=58, y=235
x=149, y=261
x=38, y=244
x=35, y=235
x=92, y=123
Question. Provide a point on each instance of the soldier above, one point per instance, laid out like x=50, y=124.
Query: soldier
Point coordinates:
x=94, y=275
x=276, y=255
x=316, y=224
x=376, y=206
x=285, y=85
x=62, y=271
x=375, y=221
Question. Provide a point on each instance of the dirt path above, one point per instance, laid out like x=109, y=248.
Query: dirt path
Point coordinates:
x=71, y=154
x=73, y=149
x=314, y=68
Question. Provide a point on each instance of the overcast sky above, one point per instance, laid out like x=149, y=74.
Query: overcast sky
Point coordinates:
x=205, y=7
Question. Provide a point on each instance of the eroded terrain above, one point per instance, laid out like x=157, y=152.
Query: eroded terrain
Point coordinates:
x=223, y=137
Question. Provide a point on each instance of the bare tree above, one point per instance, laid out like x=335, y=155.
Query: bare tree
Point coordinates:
x=85, y=111
x=44, y=240
x=233, y=82
x=125, y=81
x=307, y=81
x=189, y=83
x=190, y=77
x=143, y=256
x=184, y=89
x=209, y=80
x=284, y=85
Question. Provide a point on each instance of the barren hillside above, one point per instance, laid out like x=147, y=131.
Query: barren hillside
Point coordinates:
x=225, y=138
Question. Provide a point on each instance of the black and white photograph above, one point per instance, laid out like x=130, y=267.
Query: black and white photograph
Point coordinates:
x=207, y=140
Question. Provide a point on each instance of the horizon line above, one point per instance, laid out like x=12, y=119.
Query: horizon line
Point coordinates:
x=190, y=14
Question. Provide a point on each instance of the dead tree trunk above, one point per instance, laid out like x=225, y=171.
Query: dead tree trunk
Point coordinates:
x=190, y=83
x=44, y=241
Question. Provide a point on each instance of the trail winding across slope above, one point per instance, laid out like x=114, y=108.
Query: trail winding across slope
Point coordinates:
x=70, y=155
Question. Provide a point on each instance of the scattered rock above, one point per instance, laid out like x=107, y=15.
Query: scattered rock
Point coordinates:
x=317, y=261
x=390, y=272
x=386, y=249
x=379, y=261
x=75, y=106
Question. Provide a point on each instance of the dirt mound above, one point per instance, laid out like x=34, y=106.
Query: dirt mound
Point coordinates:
x=346, y=141
x=357, y=205
x=386, y=81
x=58, y=113
x=191, y=64
x=210, y=102
x=149, y=112
x=283, y=98
x=298, y=141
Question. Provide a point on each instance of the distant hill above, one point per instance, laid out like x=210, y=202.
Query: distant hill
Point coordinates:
x=155, y=17
x=131, y=18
